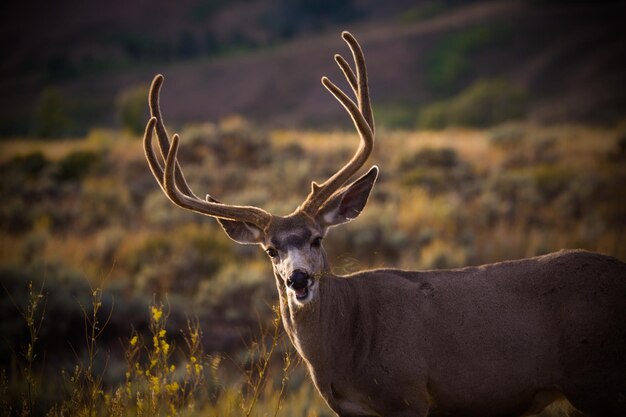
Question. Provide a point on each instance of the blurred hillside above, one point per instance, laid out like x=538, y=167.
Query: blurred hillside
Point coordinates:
x=68, y=66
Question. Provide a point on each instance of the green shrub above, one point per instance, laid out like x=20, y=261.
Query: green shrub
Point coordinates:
x=509, y=136
x=449, y=62
x=31, y=164
x=76, y=165
x=178, y=262
x=159, y=212
x=51, y=116
x=551, y=181
x=434, y=116
x=431, y=179
x=396, y=115
x=24, y=180
x=132, y=108
x=430, y=157
x=424, y=11
x=103, y=203
x=437, y=170
x=484, y=103
x=234, y=139
x=235, y=297
x=15, y=216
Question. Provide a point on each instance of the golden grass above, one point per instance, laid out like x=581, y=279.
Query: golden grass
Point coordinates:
x=156, y=381
x=427, y=227
x=579, y=148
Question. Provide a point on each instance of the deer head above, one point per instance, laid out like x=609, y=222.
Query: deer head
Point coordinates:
x=292, y=242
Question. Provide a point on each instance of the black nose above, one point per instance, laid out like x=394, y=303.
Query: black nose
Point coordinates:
x=298, y=279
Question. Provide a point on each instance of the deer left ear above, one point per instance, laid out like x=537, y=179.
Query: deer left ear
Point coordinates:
x=347, y=204
x=241, y=232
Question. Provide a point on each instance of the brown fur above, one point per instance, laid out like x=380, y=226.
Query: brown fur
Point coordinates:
x=494, y=340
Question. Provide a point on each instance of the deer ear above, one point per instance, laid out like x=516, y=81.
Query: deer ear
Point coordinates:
x=241, y=232
x=347, y=204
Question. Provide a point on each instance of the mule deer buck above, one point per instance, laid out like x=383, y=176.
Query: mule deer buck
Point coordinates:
x=496, y=340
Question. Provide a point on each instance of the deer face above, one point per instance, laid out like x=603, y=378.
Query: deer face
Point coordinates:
x=294, y=243
x=295, y=248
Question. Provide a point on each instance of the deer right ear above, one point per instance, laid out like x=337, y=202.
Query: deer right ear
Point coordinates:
x=241, y=232
x=347, y=204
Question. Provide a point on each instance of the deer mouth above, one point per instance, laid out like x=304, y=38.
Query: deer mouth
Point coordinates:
x=300, y=283
x=301, y=293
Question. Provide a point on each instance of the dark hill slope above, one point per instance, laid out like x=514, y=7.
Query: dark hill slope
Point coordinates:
x=570, y=58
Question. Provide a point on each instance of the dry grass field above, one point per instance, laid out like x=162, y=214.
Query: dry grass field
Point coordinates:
x=140, y=308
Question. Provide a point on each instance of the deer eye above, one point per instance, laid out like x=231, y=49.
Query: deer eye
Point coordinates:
x=272, y=253
x=317, y=242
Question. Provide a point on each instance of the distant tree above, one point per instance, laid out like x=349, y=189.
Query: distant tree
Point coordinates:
x=51, y=116
x=484, y=103
x=132, y=108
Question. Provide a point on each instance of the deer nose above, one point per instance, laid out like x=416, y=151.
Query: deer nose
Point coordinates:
x=298, y=279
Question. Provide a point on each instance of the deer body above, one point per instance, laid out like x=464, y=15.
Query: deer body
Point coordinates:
x=480, y=341
x=496, y=340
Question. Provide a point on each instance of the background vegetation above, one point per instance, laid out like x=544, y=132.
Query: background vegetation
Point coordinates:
x=499, y=136
x=560, y=61
x=85, y=219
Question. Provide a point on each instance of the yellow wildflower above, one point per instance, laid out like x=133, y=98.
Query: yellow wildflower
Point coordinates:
x=133, y=341
x=156, y=313
x=154, y=381
x=139, y=403
x=172, y=388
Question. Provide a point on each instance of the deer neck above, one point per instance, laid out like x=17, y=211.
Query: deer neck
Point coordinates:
x=324, y=318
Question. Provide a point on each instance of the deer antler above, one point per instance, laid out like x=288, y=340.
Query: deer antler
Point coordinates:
x=172, y=180
x=362, y=117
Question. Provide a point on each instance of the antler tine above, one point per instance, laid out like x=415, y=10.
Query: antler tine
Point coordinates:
x=359, y=82
x=162, y=136
x=153, y=162
x=347, y=71
x=172, y=180
x=362, y=117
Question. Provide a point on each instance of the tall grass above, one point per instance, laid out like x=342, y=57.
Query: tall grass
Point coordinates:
x=33, y=315
x=160, y=379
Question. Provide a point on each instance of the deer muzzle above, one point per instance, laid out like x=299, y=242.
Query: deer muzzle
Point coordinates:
x=299, y=283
